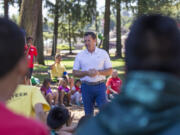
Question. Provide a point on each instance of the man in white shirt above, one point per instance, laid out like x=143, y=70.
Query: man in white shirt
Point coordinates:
x=92, y=66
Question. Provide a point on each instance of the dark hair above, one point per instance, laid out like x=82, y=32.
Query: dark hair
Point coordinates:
x=153, y=44
x=78, y=80
x=11, y=45
x=29, y=38
x=65, y=78
x=46, y=81
x=57, y=55
x=92, y=34
x=57, y=117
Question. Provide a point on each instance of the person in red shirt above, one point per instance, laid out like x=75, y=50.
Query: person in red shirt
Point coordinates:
x=113, y=84
x=12, y=70
x=31, y=53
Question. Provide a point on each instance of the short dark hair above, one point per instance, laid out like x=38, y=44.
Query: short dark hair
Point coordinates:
x=92, y=34
x=57, y=117
x=78, y=80
x=57, y=55
x=11, y=45
x=153, y=44
x=29, y=38
x=46, y=81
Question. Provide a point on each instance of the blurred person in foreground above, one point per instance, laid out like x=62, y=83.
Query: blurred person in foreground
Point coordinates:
x=13, y=68
x=149, y=103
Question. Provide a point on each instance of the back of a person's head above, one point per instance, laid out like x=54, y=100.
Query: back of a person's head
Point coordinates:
x=153, y=44
x=11, y=45
x=57, y=117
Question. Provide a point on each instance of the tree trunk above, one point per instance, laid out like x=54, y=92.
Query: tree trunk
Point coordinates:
x=29, y=14
x=30, y=21
x=118, y=29
x=96, y=15
x=70, y=45
x=55, y=33
x=6, y=8
x=39, y=38
x=106, y=26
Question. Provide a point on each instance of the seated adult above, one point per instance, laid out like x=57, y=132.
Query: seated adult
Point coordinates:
x=113, y=85
x=57, y=69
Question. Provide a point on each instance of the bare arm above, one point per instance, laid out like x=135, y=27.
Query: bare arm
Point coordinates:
x=40, y=114
x=78, y=73
x=105, y=72
x=113, y=91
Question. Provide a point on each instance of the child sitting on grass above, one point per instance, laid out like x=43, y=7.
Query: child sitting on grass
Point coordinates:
x=64, y=91
x=76, y=92
x=47, y=92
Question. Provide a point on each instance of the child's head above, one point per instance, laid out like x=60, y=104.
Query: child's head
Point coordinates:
x=78, y=83
x=57, y=117
x=46, y=82
x=57, y=58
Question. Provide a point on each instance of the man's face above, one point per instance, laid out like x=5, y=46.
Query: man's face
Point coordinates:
x=90, y=43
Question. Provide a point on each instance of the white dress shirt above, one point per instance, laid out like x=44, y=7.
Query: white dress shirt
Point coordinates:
x=99, y=60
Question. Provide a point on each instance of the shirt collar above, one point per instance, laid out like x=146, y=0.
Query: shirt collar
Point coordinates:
x=95, y=51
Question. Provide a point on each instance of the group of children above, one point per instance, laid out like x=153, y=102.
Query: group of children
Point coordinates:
x=67, y=92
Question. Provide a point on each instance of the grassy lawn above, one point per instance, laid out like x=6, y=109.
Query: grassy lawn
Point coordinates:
x=41, y=71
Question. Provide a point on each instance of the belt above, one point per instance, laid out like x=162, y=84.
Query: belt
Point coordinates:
x=93, y=83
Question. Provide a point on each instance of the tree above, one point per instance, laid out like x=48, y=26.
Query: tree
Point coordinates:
x=6, y=8
x=56, y=10
x=118, y=29
x=106, y=26
x=39, y=37
x=30, y=21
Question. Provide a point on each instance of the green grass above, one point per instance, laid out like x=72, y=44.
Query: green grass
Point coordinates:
x=64, y=47
x=116, y=64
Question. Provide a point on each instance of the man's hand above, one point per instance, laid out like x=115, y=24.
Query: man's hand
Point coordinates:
x=93, y=72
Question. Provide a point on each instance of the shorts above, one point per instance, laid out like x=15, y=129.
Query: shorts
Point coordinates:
x=29, y=73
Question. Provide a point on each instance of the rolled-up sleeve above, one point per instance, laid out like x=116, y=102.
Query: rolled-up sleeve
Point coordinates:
x=107, y=62
x=76, y=65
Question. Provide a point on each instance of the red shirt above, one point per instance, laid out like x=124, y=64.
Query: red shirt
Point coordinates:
x=30, y=55
x=78, y=89
x=13, y=124
x=115, y=84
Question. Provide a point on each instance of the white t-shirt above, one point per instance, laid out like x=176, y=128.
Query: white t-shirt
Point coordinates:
x=98, y=60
